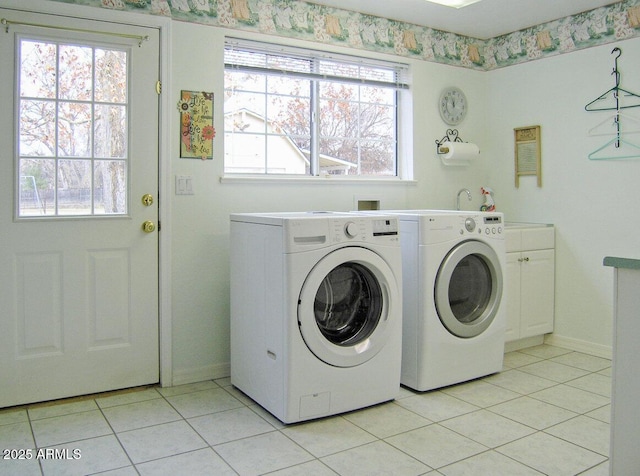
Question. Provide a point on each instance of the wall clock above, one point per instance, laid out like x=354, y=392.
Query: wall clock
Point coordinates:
x=453, y=106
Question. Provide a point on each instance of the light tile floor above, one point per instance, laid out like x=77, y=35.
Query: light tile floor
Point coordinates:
x=546, y=413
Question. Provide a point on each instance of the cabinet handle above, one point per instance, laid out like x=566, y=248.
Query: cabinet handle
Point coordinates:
x=523, y=259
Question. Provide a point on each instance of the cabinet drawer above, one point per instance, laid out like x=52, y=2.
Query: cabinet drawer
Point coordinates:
x=538, y=238
x=513, y=240
x=535, y=238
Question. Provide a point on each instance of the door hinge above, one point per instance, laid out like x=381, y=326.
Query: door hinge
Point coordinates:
x=158, y=86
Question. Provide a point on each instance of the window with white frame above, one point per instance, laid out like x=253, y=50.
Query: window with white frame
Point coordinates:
x=72, y=129
x=294, y=111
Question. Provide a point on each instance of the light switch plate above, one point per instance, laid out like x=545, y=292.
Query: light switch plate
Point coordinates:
x=184, y=185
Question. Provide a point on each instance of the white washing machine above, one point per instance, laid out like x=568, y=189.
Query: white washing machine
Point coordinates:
x=316, y=311
x=454, y=314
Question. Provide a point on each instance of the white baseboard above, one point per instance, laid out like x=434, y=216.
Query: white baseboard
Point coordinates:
x=523, y=343
x=207, y=372
x=578, y=345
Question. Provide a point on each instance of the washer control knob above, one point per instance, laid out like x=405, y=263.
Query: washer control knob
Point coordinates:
x=470, y=224
x=351, y=229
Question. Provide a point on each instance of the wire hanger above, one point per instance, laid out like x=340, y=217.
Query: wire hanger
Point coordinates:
x=610, y=125
x=621, y=149
x=614, y=92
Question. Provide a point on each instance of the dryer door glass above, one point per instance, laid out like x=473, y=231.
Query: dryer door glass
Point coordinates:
x=468, y=288
x=348, y=304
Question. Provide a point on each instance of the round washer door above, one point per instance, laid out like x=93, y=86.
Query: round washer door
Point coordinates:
x=347, y=306
x=468, y=288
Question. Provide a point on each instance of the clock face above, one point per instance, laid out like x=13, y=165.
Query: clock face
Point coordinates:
x=453, y=106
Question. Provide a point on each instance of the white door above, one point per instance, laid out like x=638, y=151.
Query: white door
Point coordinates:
x=79, y=275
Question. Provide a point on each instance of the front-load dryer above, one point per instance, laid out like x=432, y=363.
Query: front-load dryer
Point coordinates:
x=453, y=296
x=316, y=311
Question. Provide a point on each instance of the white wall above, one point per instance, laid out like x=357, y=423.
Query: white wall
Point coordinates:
x=593, y=204
x=438, y=184
x=200, y=223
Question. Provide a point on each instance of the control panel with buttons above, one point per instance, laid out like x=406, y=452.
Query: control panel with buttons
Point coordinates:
x=483, y=225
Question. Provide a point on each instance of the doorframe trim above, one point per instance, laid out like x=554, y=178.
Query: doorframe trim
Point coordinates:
x=163, y=25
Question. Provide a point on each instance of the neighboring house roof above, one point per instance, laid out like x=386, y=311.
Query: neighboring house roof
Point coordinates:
x=331, y=163
x=327, y=163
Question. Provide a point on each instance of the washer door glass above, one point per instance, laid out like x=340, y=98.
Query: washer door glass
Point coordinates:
x=468, y=288
x=347, y=306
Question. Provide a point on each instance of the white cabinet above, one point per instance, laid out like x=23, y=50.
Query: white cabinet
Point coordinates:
x=529, y=281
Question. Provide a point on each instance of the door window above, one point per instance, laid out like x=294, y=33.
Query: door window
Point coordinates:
x=72, y=129
x=348, y=304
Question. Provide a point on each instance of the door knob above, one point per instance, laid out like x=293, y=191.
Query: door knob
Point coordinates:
x=148, y=227
x=147, y=199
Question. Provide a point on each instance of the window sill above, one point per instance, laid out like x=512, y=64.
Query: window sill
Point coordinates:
x=323, y=180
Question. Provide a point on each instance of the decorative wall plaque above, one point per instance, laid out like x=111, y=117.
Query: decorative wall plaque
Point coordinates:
x=196, y=125
x=527, y=152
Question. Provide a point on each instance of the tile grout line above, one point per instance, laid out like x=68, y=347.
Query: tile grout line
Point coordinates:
x=33, y=435
x=115, y=435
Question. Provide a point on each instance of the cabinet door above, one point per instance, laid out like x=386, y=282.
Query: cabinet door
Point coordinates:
x=512, y=297
x=537, y=292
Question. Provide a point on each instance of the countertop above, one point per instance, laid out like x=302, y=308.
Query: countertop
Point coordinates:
x=515, y=224
x=627, y=263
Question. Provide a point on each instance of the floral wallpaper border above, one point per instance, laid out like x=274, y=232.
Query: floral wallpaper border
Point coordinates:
x=318, y=23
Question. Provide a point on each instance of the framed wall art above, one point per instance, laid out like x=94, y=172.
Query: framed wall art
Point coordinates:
x=196, y=125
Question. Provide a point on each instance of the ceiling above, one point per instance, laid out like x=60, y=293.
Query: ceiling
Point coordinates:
x=483, y=20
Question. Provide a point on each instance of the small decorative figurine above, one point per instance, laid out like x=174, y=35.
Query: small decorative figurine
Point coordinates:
x=488, y=205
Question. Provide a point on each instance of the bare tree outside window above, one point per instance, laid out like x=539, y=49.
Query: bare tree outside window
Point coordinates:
x=72, y=123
